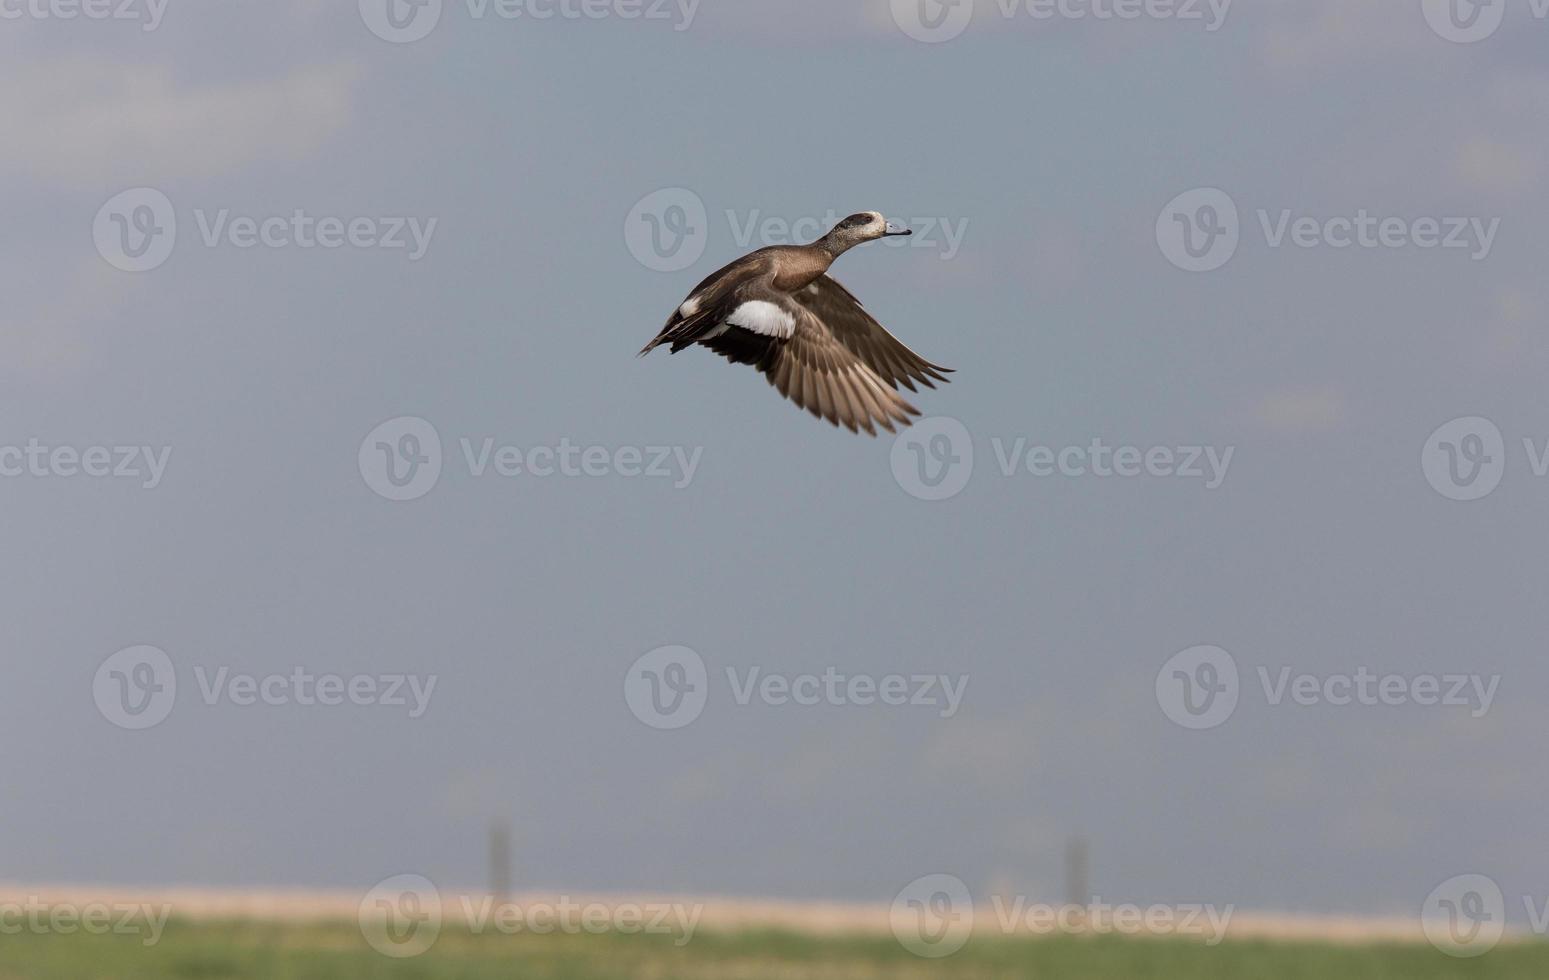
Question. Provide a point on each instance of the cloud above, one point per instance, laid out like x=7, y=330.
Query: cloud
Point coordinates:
x=79, y=120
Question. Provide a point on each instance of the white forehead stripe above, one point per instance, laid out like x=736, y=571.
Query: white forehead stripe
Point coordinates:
x=763, y=317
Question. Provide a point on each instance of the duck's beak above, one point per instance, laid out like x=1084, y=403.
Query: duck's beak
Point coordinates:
x=894, y=228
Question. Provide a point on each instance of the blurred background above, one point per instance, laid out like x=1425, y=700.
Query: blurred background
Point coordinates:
x=1301, y=238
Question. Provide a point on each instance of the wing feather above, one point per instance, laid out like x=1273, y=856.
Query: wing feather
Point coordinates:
x=817, y=372
x=867, y=339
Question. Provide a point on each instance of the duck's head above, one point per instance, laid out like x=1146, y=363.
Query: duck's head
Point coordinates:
x=867, y=226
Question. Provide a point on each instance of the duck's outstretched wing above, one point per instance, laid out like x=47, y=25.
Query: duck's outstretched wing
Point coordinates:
x=818, y=347
x=867, y=339
x=821, y=374
x=802, y=358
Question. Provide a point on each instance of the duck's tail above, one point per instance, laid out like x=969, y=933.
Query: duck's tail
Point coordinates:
x=680, y=332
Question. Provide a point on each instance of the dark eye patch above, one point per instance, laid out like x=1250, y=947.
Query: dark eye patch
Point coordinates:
x=856, y=221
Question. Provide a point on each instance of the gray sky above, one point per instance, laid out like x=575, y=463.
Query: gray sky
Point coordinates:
x=1051, y=146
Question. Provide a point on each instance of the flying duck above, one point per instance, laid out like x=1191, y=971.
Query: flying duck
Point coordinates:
x=778, y=310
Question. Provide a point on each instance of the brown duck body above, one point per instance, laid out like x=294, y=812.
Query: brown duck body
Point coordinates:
x=779, y=310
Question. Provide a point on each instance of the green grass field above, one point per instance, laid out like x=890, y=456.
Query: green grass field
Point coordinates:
x=337, y=952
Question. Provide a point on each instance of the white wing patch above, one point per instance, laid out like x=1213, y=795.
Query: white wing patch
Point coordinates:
x=689, y=308
x=763, y=317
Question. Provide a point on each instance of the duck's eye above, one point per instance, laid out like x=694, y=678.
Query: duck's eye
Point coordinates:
x=857, y=220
